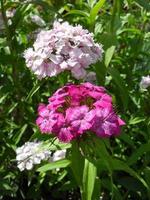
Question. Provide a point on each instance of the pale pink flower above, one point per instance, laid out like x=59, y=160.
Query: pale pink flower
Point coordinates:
x=65, y=47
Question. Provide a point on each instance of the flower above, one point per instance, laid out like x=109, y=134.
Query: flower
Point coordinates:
x=10, y=13
x=145, y=82
x=65, y=47
x=75, y=109
x=31, y=153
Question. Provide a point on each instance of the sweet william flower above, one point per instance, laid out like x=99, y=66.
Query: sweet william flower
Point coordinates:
x=64, y=47
x=75, y=109
x=106, y=122
x=79, y=118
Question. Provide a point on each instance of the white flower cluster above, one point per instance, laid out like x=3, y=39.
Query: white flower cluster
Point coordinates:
x=145, y=82
x=65, y=47
x=31, y=153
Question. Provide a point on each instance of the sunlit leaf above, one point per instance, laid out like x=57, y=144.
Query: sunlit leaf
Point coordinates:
x=89, y=176
x=54, y=165
x=109, y=54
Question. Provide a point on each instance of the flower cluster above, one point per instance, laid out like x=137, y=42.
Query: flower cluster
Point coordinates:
x=145, y=82
x=65, y=47
x=75, y=109
x=31, y=153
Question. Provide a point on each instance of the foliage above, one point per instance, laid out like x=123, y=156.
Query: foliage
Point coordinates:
x=123, y=173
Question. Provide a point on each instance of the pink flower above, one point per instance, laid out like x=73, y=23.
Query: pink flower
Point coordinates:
x=65, y=134
x=65, y=47
x=75, y=109
x=78, y=118
x=105, y=123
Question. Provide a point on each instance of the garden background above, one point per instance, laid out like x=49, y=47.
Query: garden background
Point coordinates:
x=123, y=28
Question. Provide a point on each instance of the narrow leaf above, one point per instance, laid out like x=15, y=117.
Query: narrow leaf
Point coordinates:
x=89, y=176
x=95, y=11
x=33, y=91
x=117, y=164
x=19, y=134
x=109, y=54
x=77, y=164
x=121, y=85
x=54, y=165
x=138, y=153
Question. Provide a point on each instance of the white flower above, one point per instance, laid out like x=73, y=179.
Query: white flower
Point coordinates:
x=58, y=155
x=145, y=82
x=37, y=20
x=31, y=153
x=10, y=13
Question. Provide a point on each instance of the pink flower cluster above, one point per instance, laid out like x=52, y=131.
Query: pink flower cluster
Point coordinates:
x=65, y=47
x=75, y=109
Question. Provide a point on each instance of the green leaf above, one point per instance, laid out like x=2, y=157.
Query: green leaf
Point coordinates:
x=78, y=12
x=97, y=189
x=126, y=138
x=77, y=163
x=89, y=176
x=21, y=11
x=138, y=153
x=19, y=134
x=3, y=97
x=136, y=120
x=56, y=144
x=34, y=89
x=12, y=107
x=147, y=175
x=117, y=164
x=100, y=149
x=100, y=70
x=54, y=165
x=106, y=183
x=95, y=10
x=5, y=186
x=144, y=3
x=121, y=86
x=109, y=54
